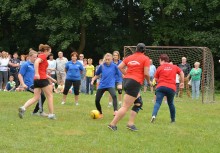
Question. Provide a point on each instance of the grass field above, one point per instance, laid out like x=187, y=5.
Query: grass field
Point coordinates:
x=196, y=129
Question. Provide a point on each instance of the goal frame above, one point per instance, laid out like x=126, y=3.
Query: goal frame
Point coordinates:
x=205, y=52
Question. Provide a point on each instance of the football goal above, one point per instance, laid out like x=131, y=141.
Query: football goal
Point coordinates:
x=193, y=54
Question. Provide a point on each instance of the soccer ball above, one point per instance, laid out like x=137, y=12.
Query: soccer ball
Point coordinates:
x=94, y=114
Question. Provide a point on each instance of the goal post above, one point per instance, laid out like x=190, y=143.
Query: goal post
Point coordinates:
x=193, y=54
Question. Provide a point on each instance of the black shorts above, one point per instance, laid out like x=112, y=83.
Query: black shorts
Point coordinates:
x=131, y=87
x=41, y=83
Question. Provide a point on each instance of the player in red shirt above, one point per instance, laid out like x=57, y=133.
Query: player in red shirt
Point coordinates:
x=41, y=82
x=137, y=69
x=166, y=85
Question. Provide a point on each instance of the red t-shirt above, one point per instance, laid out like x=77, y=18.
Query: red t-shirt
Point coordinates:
x=135, y=66
x=42, y=69
x=166, y=75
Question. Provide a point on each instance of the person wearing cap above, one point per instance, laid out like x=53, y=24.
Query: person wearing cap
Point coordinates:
x=137, y=70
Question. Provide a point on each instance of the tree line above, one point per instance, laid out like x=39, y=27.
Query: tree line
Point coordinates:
x=96, y=26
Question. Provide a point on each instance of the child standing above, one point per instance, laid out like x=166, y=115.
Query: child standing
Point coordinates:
x=89, y=74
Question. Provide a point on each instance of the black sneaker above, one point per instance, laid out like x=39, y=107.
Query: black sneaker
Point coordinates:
x=132, y=127
x=153, y=119
x=113, y=128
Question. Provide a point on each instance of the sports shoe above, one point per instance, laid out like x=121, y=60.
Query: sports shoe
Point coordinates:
x=21, y=111
x=132, y=127
x=153, y=119
x=113, y=128
x=51, y=116
x=35, y=114
x=43, y=114
x=110, y=104
x=100, y=116
x=77, y=104
x=62, y=102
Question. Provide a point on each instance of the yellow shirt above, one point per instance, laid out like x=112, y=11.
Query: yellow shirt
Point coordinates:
x=90, y=70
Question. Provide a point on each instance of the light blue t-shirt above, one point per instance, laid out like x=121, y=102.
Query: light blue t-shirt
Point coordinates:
x=109, y=74
x=152, y=70
x=73, y=70
x=27, y=71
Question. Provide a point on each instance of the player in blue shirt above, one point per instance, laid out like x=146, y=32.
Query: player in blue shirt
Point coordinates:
x=109, y=72
x=73, y=69
x=26, y=78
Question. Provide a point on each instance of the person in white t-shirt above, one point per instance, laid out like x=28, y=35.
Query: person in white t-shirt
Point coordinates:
x=51, y=70
x=60, y=69
x=4, y=60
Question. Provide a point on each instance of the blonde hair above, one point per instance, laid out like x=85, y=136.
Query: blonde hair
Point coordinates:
x=43, y=47
x=89, y=59
x=117, y=52
x=32, y=52
x=197, y=63
x=107, y=55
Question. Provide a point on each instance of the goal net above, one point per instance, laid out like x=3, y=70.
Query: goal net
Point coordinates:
x=193, y=54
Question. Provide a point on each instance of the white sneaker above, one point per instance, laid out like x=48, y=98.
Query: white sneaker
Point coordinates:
x=51, y=116
x=153, y=119
x=21, y=111
x=77, y=104
x=62, y=103
x=43, y=114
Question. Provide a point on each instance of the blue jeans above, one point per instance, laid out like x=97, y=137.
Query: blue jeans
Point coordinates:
x=160, y=93
x=89, y=87
x=195, y=89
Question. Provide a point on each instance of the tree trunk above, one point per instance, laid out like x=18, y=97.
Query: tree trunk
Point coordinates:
x=82, y=39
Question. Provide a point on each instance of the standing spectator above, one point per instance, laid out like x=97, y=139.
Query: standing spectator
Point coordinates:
x=51, y=70
x=14, y=65
x=23, y=59
x=41, y=82
x=73, y=69
x=166, y=85
x=81, y=57
x=119, y=79
x=60, y=70
x=137, y=69
x=89, y=74
x=185, y=67
x=83, y=77
x=195, y=75
x=4, y=60
x=96, y=69
x=10, y=86
x=109, y=72
x=152, y=72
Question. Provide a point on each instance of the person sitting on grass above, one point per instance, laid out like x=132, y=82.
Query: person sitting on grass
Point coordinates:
x=10, y=86
x=60, y=87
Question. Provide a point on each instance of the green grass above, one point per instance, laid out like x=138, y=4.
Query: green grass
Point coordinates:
x=196, y=129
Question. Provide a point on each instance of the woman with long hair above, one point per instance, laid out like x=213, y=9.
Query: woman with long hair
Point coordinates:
x=41, y=82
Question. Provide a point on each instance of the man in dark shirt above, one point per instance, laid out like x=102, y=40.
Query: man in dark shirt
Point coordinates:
x=186, y=69
x=14, y=65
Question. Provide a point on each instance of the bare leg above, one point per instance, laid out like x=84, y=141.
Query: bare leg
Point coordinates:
x=37, y=92
x=133, y=114
x=48, y=93
x=128, y=101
